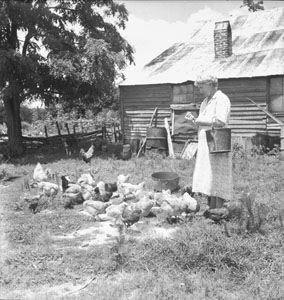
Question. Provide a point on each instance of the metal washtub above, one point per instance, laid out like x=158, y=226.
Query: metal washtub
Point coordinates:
x=165, y=181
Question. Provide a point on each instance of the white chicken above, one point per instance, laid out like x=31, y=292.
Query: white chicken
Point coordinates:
x=86, y=179
x=115, y=211
x=122, y=178
x=87, y=156
x=172, y=205
x=40, y=174
x=95, y=207
x=126, y=188
x=73, y=188
x=49, y=189
x=191, y=204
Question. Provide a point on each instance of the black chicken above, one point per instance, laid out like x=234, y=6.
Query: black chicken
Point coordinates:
x=187, y=189
x=65, y=183
x=217, y=214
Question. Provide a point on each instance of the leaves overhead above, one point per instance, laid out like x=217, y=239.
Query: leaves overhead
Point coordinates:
x=253, y=5
x=68, y=51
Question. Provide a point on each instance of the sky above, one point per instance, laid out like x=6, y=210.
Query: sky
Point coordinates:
x=153, y=26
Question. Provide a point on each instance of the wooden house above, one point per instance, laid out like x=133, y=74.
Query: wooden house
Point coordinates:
x=247, y=55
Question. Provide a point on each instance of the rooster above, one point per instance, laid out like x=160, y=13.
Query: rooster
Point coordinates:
x=87, y=156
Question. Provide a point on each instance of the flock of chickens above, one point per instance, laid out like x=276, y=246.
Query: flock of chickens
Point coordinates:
x=118, y=202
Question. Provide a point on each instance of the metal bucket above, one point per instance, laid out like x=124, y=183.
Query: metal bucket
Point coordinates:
x=165, y=181
x=157, y=138
x=219, y=140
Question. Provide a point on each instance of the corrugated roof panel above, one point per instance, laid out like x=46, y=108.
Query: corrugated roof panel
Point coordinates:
x=258, y=50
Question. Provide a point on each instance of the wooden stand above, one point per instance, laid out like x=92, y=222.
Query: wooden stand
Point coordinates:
x=155, y=114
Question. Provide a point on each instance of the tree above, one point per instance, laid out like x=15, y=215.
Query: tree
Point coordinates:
x=253, y=6
x=59, y=49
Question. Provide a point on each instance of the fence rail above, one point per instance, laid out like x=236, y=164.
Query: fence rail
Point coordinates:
x=71, y=142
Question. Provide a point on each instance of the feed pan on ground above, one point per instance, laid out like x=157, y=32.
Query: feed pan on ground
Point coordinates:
x=165, y=181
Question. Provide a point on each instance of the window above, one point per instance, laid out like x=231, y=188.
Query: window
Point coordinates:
x=276, y=104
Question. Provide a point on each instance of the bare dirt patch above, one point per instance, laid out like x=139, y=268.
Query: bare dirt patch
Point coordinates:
x=76, y=234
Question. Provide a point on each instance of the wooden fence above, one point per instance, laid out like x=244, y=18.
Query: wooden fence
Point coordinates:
x=68, y=141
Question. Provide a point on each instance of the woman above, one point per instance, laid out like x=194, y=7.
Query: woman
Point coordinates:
x=212, y=172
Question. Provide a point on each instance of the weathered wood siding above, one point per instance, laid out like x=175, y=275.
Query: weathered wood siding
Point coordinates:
x=247, y=120
x=137, y=106
x=276, y=104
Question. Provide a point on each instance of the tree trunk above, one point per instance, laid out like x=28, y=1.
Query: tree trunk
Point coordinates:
x=14, y=127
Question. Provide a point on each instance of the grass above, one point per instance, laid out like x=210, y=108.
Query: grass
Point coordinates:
x=198, y=262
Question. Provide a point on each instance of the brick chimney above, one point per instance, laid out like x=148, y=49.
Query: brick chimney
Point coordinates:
x=222, y=39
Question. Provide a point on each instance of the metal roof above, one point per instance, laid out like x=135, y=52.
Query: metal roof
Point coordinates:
x=257, y=43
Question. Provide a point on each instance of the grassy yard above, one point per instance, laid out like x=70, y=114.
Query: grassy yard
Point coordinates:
x=194, y=260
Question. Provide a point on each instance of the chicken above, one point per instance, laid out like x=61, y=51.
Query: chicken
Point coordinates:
x=187, y=189
x=122, y=178
x=145, y=205
x=217, y=214
x=65, y=182
x=95, y=207
x=87, y=156
x=70, y=199
x=116, y=211
x=171, y=205
x=48, y=188
x=126, y=188
x=190, y=204
x=73, y=188
x=40, y=174
x=131, y=215
x=87, y=195
x=86, y=179
x=104, y=191
x=33, y=202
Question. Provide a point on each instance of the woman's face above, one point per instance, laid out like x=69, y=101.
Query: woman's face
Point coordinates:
x=206, y=89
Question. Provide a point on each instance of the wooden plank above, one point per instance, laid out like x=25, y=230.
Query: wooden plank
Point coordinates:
x=237, y=114
x=146, y=97
x=246, y=122
x=143, y=112
x=267, y=112
x=248, y=117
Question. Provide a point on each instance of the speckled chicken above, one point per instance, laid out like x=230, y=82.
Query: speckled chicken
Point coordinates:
x=33, y=202
x=131, y=215
x=87, y=156
x=104, y=191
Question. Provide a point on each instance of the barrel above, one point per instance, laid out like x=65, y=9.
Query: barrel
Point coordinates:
x=157, y=138
x=219, y=140
x=126, y=151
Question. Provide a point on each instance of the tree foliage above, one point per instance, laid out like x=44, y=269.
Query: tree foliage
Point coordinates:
x=68, y=51
x=253, y=6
